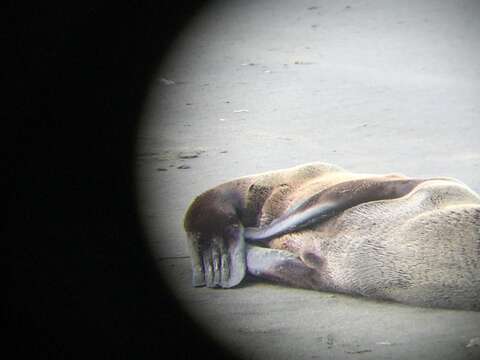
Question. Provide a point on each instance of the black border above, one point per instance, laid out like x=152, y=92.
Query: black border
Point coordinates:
x=80, y=279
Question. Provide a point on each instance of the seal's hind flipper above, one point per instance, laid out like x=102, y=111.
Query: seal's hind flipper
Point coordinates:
x=280, y=266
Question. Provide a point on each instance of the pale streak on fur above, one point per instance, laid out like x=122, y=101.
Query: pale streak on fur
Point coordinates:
x=400, y=249
x=422, y=248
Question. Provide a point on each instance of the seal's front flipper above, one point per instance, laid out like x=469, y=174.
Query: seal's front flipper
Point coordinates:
x=280, y=266
x=221, y=263
x=215, y=240
x=332, y=201
x=293, y=221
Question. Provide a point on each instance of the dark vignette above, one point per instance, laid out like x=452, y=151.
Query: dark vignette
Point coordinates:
x=80, y=281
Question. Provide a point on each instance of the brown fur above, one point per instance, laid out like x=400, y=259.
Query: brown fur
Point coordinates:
x=421, y=248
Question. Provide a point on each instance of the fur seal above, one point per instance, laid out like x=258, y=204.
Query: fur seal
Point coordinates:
x=318, y=226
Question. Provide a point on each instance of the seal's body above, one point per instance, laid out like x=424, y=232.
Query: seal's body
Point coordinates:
x=319, y=226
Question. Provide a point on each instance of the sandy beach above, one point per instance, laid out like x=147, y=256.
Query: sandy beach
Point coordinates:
x=253, y=86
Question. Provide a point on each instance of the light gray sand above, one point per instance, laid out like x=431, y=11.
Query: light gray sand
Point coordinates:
x=252, y=86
